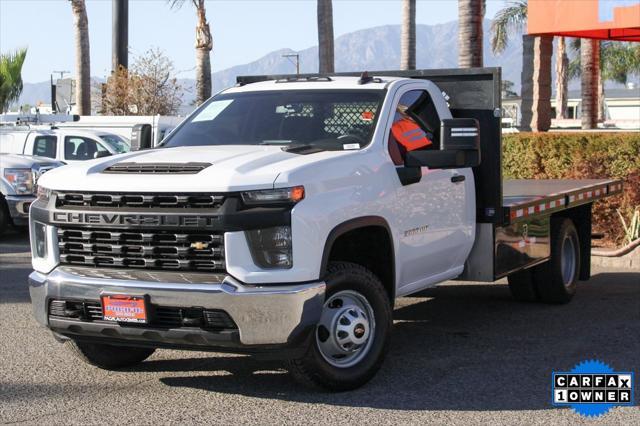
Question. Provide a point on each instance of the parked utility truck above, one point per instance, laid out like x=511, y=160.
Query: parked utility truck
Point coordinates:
x=19, y=175
x=283, y=219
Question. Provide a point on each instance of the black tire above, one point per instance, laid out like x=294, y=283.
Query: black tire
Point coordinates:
x=108, y=357
x=522, y=286
x=554, y=285
x=5, y=219
x=312, y=368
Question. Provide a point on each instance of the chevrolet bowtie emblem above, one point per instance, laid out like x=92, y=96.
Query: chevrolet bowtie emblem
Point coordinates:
x=198, y=245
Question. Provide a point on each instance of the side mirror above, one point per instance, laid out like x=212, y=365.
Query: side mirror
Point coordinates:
x=459, y=147
x=141, y=137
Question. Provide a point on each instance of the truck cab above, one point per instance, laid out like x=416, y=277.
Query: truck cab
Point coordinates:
x=284, y=216
x=64, y=145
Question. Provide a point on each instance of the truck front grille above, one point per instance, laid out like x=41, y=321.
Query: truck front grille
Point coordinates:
x=139, y=201
x=148, y=250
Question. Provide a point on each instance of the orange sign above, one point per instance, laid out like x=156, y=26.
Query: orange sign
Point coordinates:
x=600, y=19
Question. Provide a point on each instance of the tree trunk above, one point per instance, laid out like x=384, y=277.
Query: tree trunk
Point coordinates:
x=83, y=59
x=325, y=37
x=541, y=109
x=526, y=83
x=601, y=110
x=408, y=36
x=562, y=80
x=204, y=44
x=470, y=15
x=590, y=62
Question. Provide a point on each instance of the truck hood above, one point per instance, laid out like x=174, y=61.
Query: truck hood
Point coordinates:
x=233, y=168
x=26, y=161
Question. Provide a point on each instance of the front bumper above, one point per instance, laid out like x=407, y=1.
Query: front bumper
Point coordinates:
x=266, y=316
x=19, y=208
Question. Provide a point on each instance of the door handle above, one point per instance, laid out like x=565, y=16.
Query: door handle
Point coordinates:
x=457, y=178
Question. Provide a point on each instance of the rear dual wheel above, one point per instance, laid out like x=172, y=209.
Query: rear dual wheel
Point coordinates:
x=554, y=281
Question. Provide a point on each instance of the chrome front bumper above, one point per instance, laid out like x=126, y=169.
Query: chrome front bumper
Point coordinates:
x=265, y=315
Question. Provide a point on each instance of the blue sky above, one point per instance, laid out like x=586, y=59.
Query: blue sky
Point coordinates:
x=243, y=30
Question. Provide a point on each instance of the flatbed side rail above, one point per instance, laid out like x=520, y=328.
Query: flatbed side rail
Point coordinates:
x=560, y=201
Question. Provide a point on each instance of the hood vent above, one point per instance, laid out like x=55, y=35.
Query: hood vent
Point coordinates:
x=157, y=168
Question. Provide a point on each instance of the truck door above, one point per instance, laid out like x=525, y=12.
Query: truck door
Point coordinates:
x=434, y=210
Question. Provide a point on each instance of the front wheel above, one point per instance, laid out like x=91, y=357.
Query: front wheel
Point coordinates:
x=5, y=219
x=108, y=357
x=351, y=337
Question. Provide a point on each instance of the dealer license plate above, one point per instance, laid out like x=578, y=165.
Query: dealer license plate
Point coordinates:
x=123, y=308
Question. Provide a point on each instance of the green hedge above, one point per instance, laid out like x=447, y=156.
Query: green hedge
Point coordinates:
x=580, y=156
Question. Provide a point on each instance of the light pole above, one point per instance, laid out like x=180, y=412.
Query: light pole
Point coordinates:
x=296, y=63
x=120, y=34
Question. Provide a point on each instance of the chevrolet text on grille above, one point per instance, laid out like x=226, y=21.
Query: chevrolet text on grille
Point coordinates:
x=81, y=218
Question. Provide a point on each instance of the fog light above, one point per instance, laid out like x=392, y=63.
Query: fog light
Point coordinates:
x=40, y=240
x=271, y=247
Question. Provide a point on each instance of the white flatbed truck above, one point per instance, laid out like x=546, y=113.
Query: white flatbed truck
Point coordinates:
x=282, y=219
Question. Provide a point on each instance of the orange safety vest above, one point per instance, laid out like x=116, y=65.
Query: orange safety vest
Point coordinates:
x=409, y=134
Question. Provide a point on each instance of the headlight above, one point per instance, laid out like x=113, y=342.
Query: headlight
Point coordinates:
x=274, y=196
x=271, y=247
x=43, y=193
x=20, y=179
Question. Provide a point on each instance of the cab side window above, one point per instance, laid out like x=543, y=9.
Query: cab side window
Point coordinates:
x=415, y=125
x=79, y=148
x=45, y=146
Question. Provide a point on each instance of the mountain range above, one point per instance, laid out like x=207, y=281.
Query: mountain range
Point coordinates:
x=376, y=48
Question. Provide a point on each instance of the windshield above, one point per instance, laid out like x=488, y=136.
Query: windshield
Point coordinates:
x=118, y=143
x=328, y=120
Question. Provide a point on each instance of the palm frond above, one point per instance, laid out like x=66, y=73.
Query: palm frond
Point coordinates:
x=177, y=4
x=11, y=77
x=574, y=44
x=506, y=21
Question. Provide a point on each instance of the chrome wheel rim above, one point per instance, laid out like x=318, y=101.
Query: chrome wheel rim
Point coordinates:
x=568, y=260
x=344, y=334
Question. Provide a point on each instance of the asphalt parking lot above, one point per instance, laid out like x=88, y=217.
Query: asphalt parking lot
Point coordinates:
x=461, y=354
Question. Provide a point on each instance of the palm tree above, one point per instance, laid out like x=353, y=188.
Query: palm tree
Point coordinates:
x=536, y=65
x=590, y=60
x=562, y=79
x=83, y=59
x=325, y=37
x=408, y=35
x=618, y=60
x=470, y=16
x=204, y=45
x=11, y=77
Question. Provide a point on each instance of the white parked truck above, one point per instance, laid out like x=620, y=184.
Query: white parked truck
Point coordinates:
x=18, y=178
x=282, y=218
x=66, y=145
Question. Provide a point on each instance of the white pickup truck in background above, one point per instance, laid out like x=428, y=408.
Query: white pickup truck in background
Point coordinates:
x=66, y=145
x=283, y=219
x=19, y=175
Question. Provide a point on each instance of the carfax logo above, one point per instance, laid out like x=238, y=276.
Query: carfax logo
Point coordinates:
x=592, y=388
